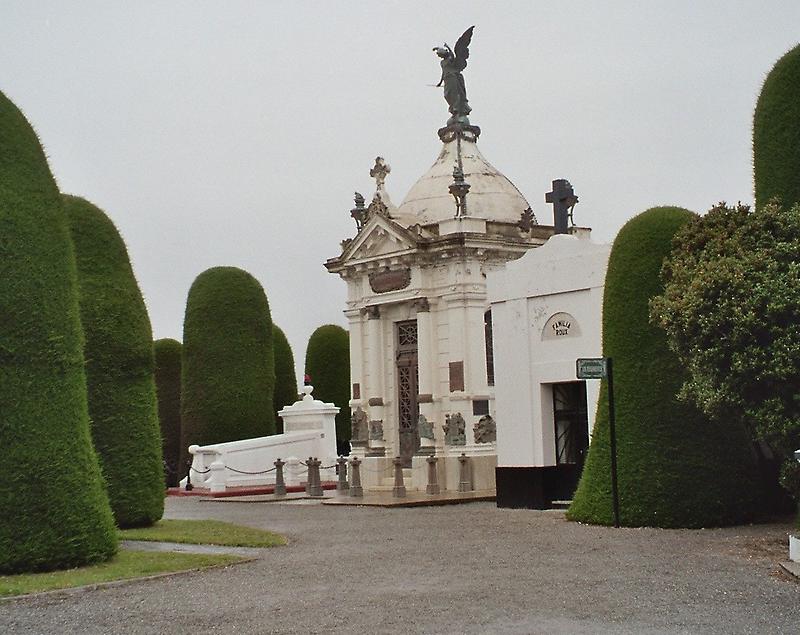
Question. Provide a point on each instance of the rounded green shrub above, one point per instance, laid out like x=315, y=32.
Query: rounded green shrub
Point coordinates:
x=676, y=468
x=168, y=390
x=54, y=511
x=285, y=378
x=776, y=134
x=228, y=374
x=328, y=366
x=119, y=367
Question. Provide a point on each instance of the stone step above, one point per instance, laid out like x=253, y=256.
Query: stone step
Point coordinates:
x=560, y=504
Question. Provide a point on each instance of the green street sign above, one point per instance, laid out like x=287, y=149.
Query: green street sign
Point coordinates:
x=592, y=368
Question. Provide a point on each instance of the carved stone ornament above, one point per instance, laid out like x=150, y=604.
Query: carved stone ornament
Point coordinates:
x=376, y=430
x=424, y=428
x=358, y=424
x=527, y=220
x=485, y=430
x=388, y=280
x=377, y=206
x=454, y=430
x=380, y=171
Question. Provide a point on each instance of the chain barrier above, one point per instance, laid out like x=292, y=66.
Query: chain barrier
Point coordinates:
x=233, y=469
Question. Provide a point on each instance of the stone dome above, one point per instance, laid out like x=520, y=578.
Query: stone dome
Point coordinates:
x=491, y=196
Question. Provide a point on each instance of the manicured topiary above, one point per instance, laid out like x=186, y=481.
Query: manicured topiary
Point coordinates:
x=168, y=389
x=676, y=468
x=776, y=133
x=119, y=368
x=54, y=511
x=285, y=378
x=328, y=367
x=228, y=374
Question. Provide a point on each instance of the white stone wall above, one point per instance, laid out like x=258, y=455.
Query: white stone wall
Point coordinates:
x=565, y=275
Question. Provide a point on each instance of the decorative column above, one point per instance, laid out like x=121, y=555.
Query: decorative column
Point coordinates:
x=376, y=367
x=427, y=361
x=355, y=325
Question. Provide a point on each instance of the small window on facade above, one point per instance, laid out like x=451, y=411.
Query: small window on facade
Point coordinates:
x=487, y=333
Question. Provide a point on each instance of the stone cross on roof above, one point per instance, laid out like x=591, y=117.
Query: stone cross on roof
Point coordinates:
x=379, y=172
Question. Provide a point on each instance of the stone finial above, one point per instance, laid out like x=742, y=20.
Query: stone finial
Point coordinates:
x=454, y=430
x=379, y=172
x=527, y=220
x=358, y=213
x=485, y=430
x=459, y=189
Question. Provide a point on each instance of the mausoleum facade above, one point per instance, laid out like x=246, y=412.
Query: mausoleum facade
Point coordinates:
x=418, y=312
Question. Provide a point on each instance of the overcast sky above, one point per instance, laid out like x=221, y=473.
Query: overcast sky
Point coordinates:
x=234, y=133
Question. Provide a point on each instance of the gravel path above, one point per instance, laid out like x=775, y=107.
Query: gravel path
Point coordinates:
x=461, y=569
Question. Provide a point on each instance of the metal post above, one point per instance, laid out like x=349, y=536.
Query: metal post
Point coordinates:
x=316, y=489
x=355, y=471
x=433, y=476
x=463, y=474
x=310, y=475
x=342, y=484
x=613, y=434
x=399, y=489
x=280, y=484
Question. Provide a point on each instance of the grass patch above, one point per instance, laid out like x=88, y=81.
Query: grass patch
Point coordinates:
x=204, y=532
x=124, y=566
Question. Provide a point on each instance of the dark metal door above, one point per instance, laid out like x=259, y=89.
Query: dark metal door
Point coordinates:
x=407, y=389
x=571, y=423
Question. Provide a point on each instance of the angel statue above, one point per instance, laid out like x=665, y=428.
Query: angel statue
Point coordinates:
x=455, y=93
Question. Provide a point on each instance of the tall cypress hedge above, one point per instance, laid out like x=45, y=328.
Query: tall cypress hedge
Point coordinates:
x=328, y=366
x=776, y=133
x=168, y=390
x=54, y=511
x=285, y=378
x=676, y=468
x=228, y=374
x=119, y=367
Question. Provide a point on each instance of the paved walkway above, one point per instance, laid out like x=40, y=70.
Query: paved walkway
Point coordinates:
x=458, y=569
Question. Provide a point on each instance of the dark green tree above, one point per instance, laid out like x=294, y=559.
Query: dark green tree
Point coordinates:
x=285, y=377
x=328, y=366
x=676, y=468
x=54, y=511
x=119, y=368
x=168, y=389
x=776, y=134
x=731, y=309
x=228, y=374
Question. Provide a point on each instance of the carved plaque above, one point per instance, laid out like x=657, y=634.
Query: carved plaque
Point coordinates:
x=561, y=326
x=385, y=281
x=456, y=376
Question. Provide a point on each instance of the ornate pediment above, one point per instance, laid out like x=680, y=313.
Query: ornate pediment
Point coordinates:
x=380, y=237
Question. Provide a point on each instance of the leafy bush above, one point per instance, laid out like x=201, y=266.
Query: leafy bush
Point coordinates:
x=228, y=374
x=54, y=510
x=676, y=468
x=285, y=378
x=776, y=133
x=328, y=366
x=731, y=307
x=119, y=368
x=168, y=390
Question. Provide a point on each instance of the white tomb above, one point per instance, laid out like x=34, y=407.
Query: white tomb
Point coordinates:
x=309, y=430
x=546, y=311
x=417, y=307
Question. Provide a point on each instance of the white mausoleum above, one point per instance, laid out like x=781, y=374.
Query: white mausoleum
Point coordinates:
x=546, y=310
x=421, y=359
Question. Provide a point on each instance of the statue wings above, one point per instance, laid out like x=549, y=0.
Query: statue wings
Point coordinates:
x=461, y=51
